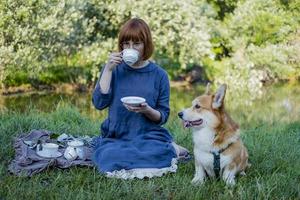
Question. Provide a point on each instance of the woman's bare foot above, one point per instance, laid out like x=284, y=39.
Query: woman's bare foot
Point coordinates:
x=180, y=151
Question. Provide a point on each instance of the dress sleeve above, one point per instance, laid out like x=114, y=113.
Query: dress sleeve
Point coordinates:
x=163, y=99
x=99, y=99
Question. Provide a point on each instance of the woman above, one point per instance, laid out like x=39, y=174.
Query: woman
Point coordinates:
x=133, y=143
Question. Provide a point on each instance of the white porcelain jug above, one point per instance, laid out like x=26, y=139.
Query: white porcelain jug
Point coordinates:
x=75, y=149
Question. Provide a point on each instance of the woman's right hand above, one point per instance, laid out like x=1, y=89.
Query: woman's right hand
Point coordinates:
x=114, y=59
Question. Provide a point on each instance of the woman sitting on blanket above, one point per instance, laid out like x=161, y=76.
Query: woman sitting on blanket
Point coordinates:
x=133, y=142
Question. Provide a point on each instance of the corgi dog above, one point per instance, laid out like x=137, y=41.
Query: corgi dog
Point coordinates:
x=218, y=149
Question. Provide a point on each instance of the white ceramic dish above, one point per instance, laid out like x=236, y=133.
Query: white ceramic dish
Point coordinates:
x=133, y=100
x=45, y=154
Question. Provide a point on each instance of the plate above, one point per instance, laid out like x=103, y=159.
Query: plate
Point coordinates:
x=133, y=100
x=47, y=155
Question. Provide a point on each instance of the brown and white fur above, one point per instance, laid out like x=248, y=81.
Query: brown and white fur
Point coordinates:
x=214, y=130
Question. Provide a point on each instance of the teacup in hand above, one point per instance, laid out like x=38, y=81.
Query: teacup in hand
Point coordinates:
x=130, y=56
x=133, y=101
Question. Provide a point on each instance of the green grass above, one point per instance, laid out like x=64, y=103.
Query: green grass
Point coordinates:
x=273, y=148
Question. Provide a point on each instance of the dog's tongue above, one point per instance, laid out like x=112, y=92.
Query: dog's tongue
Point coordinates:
x=187, y=124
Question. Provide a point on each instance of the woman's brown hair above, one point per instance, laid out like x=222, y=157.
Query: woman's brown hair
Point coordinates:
x=137, y=30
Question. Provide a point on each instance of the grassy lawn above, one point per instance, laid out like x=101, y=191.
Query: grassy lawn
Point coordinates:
x=273, y=148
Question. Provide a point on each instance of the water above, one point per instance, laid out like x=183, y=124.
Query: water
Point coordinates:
x=47, y=101
x=277, y=102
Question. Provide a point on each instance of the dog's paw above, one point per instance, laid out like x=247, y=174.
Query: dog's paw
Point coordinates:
x=243, y=173
x=230, y=181
x=229, y=177
x=197, y=181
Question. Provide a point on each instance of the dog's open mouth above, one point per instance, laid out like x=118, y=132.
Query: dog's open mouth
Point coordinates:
x=188, y=124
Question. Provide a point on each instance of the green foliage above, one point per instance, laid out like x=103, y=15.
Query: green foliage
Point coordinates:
x=15, y=78
x=264, y=41
x=260, y=22
x=223, y=7
x=176, y=28
x=233, y=40
x=36, y=33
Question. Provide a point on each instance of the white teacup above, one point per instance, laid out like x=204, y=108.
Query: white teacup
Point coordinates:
x=130, y=56
x=48, y=149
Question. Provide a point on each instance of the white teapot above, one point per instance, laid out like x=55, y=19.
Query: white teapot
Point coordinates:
x=75, y=149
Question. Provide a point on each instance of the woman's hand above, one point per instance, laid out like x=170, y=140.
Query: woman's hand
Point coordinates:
x=147, y=110
x=114, y=59
x=143, y=108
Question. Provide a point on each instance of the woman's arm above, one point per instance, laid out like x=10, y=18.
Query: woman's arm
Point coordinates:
x=161, y=112
x=147, y=110
x=153, y=114
x=162, y=105
x=99, y=99
x=102, y=93
x=105, y=80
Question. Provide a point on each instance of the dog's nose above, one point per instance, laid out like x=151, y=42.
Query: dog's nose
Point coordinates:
x=180, y=114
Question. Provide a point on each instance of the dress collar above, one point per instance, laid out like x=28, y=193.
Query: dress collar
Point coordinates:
x=149, y=67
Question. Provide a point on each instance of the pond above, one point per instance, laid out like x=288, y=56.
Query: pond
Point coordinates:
x=276, y=103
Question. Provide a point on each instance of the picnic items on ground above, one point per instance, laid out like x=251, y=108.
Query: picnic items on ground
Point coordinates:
x=41, y=149
x=48, y=150
x=75, y=150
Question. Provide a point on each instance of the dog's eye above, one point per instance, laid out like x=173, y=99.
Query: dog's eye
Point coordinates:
x=197, y=106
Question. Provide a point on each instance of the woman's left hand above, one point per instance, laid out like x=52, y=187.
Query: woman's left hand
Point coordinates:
x=143, y=108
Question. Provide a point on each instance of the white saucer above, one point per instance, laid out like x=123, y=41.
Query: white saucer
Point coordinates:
x=133, y=100
x=47, y=155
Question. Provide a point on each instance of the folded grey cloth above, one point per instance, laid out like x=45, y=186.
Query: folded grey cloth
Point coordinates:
x=28, y=163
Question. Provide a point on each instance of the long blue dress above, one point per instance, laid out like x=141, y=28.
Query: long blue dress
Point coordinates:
x=130, y=140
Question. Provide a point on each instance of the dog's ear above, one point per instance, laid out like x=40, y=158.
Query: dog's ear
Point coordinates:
x=207, y=91
x=219, y=97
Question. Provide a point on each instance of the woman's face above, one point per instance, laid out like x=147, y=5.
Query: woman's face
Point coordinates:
x=139, y=46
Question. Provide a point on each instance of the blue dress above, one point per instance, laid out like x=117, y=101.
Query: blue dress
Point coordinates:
x=130, y=140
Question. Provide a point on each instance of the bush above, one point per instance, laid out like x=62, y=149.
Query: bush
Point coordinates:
x=264, y=39
x=236, y=41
